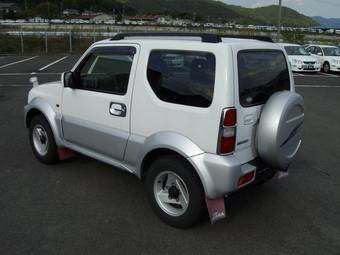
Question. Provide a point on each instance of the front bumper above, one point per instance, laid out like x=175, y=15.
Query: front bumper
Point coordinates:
x=220, y=174
x=335, y=67
x=306, y=67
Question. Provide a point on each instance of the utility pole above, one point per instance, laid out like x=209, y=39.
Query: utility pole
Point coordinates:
x=25, y=5
x=48, y=9
x=279, y=22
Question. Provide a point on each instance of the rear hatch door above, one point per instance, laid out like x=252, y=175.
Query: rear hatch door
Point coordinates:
x=259, y=73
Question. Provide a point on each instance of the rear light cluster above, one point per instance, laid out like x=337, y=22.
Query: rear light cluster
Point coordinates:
x=228, y=132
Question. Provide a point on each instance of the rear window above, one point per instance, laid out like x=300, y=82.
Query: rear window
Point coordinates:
x=182, y=77
x=261, y=73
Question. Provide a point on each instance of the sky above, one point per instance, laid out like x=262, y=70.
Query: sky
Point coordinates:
x=324, y=8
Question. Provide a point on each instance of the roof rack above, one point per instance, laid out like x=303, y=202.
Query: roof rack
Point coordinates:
x=205, y=37
x=253, y=37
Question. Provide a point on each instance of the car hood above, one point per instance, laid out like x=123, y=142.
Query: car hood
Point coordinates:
x=50, y=91
x=302, y=58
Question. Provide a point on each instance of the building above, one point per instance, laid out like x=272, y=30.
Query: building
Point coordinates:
x=8, y=8
x=68, y=12
x=140, y=20
x=102, y=18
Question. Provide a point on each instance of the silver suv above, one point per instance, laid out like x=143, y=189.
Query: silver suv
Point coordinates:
x=196, y=116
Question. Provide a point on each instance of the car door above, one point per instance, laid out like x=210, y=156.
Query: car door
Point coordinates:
x=96, y=112
x=318, y=53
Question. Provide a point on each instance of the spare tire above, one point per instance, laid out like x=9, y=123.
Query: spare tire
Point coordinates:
x=279, y=132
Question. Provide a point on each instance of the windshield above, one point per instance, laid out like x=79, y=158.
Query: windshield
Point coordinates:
x=296, y=51
x=331, y=51
x=261, y=73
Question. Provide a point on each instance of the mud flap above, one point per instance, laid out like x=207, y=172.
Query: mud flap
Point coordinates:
x=66, y=154
x=216, y=209
x=282, y=174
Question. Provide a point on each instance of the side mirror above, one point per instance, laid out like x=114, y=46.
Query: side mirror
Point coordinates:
x=69, y=81
x=319, y=53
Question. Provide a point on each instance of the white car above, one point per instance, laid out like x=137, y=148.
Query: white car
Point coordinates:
x=196, y=116
x=300, y=60
x=329, y=56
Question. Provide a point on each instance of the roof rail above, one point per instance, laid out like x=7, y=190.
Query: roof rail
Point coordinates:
x=253, y=37
x=205, y=37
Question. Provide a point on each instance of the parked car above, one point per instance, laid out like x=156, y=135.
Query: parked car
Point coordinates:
x=329, y=56
x=300, y=60
x=196, y=119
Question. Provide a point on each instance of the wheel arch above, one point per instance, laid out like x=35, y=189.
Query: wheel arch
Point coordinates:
x=169, y=143
x=163, y=152
x=41, y=107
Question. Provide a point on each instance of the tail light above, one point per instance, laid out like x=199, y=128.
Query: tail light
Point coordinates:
x=228, y=131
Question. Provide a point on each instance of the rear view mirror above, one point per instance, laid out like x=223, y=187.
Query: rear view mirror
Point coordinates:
x=69, y=80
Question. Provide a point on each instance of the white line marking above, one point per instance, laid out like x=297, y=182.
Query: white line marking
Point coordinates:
x=317, y=86
x=297, y=74
x=17, y=62
x=53, y=63
x=15, y=85
x=329, y=75
x=15, y=74
x=298, y=86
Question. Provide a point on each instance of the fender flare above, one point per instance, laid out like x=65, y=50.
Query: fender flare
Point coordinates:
x=167, y=140
x=53, y=118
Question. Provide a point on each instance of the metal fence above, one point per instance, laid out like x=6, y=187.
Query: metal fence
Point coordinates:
x=22, y=42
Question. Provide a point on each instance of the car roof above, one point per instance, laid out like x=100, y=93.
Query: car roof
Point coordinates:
x=289, y=44
x=195, y=40
x=322, y=45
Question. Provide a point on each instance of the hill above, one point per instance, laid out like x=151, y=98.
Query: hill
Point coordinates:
x=199, y=10
x=327, y=22
x=268, y=15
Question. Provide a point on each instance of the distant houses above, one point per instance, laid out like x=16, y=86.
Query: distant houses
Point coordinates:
x=7, y=8
x=74, y=16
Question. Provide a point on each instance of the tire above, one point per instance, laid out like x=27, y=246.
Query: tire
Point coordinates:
x=280, y=129
x=176, y=169
x=42, y=140
x=326, y=67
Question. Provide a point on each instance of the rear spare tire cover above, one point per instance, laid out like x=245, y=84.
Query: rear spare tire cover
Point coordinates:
x=279, y=132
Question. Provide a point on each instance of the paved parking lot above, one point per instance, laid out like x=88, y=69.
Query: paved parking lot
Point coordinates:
x=83, y=206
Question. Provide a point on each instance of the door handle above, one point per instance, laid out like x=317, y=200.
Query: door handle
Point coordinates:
x=117, y=109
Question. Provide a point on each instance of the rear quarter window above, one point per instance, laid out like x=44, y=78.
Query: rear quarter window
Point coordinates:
x=182, y=77
x=261, y=73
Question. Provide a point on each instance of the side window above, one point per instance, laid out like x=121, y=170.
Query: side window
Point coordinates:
x=311, y=49
x=182, y=77
x=317, y=50
x=107, y=70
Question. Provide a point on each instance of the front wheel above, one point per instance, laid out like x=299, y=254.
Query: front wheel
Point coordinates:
x=175, y=192
x=326, y=67
x=42, y=140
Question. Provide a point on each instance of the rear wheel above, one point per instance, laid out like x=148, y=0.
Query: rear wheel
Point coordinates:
x=175, y=192
x=326, y=67
x=42, y=140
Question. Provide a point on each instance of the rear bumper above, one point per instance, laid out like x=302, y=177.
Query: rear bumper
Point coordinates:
x=220, y=174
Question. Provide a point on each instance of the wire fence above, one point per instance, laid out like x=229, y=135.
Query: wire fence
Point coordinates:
x=20, y=42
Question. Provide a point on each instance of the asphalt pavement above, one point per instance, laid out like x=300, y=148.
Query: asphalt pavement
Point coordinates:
x=82, y=206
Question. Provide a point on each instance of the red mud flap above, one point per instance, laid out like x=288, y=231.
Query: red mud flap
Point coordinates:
x=216, y=209
x=66, y=154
